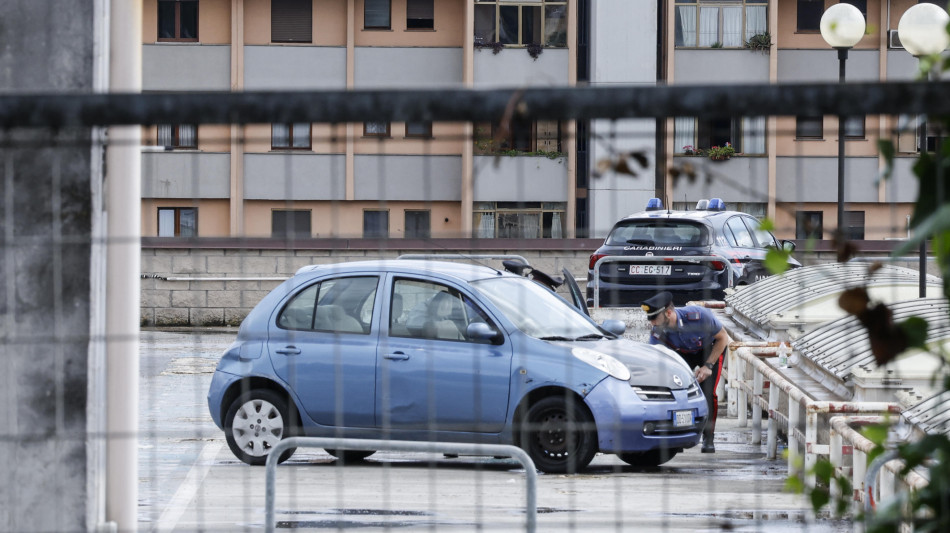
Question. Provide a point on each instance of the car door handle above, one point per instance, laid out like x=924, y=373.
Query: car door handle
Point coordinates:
x=289, y=350
x=397, y=356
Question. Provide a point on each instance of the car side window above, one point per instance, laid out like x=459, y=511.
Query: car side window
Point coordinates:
x=341, y=305
x=425, y=310
x=742, y=234
x=764, y=238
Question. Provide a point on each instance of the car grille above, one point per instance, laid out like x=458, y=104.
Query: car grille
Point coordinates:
x=665, y=427
x=654, y=394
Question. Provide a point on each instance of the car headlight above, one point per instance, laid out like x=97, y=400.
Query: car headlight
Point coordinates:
x=602, y=361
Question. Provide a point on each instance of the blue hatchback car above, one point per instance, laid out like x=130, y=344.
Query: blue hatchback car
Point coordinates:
x=442, y=351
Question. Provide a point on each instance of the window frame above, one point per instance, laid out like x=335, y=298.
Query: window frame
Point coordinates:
x=745, y=32
x=389, y=17
x=798, y=16
x=428, y=230
x=545, y=211
x=856, y=136
x=290, y=137
x=742, y=132
x=384, y=233
x=176, y=137
x=430, y=7
x=296, y=234
x=295, y=9
x=176, y=221
x=386, y=134
x=542, y=6
x=802, y=219
x=800, y=124
x=427, y=134
x=177, y=15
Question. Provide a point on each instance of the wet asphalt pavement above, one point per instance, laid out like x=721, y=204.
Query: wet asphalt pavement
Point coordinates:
x=190, y=481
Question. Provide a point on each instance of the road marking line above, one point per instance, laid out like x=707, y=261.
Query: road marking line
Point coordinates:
x=186, y=492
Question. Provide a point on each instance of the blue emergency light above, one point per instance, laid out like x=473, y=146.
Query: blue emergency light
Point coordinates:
x=654, y=204
x=716, y=204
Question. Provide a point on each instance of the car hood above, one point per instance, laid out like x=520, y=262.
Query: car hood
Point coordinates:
x=649, y=365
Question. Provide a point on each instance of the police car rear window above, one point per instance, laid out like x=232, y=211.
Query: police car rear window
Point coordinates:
x=659, y=232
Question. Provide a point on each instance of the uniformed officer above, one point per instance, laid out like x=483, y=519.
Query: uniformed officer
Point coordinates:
x=698, y=336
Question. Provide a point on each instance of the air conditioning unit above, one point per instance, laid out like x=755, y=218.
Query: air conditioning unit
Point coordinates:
x=893, y=40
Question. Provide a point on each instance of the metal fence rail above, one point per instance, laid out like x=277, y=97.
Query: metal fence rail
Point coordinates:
x=531, y=476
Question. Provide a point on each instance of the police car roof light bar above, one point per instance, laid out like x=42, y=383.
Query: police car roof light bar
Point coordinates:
x=716, y=204
x=702, y=205
x=654, y=204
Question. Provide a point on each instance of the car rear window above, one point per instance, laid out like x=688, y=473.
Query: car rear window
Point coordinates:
x=659, y=232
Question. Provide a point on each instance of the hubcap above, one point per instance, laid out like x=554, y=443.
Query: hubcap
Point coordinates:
x=257, y=427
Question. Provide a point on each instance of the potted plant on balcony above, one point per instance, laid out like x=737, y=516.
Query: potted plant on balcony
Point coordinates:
x=721, y=153
x=760, y=42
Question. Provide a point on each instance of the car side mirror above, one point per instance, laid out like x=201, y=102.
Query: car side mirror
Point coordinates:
x=480, y=331
x=788, y=246
x=614, y=326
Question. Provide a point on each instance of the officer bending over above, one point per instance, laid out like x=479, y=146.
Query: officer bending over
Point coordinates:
x=698, y=336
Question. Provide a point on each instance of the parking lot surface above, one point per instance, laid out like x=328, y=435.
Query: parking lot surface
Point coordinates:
x=190, y=481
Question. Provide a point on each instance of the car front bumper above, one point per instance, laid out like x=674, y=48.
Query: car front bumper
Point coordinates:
x=621, y=418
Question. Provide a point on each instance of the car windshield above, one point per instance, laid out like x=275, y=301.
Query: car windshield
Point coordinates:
x=536, y=311
x=658, y=232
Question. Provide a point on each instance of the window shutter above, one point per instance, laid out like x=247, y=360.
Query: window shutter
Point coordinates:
x=419, y=14
x=291, y=21
x=376, y=14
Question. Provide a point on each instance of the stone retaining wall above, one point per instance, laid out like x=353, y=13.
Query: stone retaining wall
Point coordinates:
x=217, y=283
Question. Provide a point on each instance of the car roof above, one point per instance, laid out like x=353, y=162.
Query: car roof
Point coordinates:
x=699, y=215
x=461, y=271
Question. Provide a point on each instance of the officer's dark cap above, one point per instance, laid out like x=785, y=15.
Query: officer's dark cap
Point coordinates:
x=655, y=305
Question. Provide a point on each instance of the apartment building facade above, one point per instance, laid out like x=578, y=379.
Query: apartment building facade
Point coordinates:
x=787, y=167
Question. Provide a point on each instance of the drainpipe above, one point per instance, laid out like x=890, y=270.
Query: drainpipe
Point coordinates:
x=123, y=266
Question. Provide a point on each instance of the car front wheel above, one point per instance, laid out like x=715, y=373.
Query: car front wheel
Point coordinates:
x=255, y=423
x=558, y=434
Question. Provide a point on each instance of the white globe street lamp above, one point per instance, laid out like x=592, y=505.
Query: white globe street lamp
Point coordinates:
x=923, y=30
x=842, y=26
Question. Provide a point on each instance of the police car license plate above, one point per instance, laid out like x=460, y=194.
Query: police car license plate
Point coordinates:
x=650, y=270
x=682, y=419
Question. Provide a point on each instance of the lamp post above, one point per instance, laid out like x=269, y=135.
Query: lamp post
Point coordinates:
x=923, y=32
x=842, y=26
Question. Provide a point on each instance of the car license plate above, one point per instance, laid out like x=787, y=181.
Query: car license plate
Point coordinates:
x=650, y=270
x=682, y=419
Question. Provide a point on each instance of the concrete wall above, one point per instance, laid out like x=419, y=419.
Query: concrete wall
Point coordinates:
x=393, y=67
x=513, y=67
x=46, y=218
x=185, y=175
x=816, y=179
x=305, y=176
x=739, y=179
x=288, y=68
x=512, y=179
x=186, y=67
x=712, y=66
x=408, y=177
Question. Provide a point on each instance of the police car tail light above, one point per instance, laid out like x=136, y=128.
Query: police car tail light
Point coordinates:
x=654, y=204
x=593, y=260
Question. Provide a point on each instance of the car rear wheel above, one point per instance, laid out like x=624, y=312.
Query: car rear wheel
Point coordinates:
x=648, y=459
x=350, y=456
x=255, y=423
x=558, y=434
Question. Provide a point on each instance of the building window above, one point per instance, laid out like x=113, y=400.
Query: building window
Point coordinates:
x=809, y=127
x=854, y=225
x=808, y=225
x=519, y=220
x=419, y=129
x=177, y=222
x=290, y=136
x=376, y=129
x=420, y=15
x=376, y=15
x=173, y=136
x=720, y=23
x=375, y=224
x=809, y=15
x=417, y=224
x=862, y=6
x=286, y=223
x=177, y=20
x=543, y=136
x=746, y=134
x=291, y=21
x=854, y=127
x=515, y=23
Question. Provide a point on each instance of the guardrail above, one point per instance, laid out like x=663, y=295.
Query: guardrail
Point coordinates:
x=744, y=358
x=650, y=259
x=531, y=475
